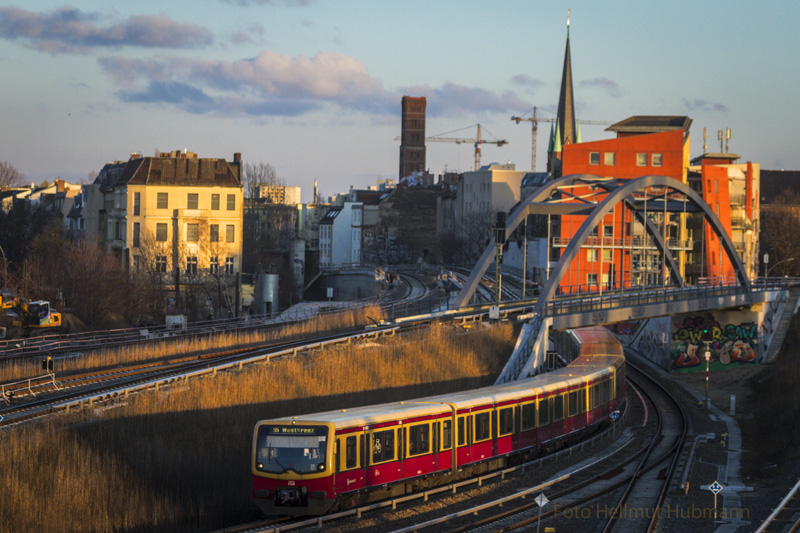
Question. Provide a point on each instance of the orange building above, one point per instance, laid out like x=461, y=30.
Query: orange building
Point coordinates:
x=620, y=254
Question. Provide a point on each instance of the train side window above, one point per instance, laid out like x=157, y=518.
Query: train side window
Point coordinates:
x=558, y=408
x=382, y=446
x=447, y=434
x=351, y=452
x=596, y=399
x=573, y=403
x=419, y=441
x=606, y=390
x=506, y=421
x=483, y=427
x=462, y=433
x=582, y=401
x=544, y=412
x=528, y=416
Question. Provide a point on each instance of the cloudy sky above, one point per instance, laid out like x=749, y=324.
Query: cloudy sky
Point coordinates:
x=313, y=87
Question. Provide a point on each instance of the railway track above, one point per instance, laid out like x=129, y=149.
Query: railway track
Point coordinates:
x=113, y=384
x=786, y=516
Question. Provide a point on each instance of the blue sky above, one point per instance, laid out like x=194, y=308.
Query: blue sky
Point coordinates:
x=313, y=87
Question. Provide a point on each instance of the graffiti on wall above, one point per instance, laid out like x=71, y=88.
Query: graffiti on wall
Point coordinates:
x=770, y=322
x=729, y=344
x=654, y=342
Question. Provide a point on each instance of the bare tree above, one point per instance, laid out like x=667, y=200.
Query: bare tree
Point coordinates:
x=255, y=174
x=9, y=175
x=779, y=237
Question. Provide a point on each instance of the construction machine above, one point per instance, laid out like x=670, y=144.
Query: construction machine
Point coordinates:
x=21, y=317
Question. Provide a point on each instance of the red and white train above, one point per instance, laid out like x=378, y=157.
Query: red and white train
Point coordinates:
x=317, y=463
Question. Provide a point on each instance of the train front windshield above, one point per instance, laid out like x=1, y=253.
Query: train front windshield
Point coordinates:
x=300, y=449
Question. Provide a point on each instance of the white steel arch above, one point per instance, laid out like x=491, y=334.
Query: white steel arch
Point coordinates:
x=618, y=191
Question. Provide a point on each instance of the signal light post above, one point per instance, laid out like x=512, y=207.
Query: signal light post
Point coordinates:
x=708, y=360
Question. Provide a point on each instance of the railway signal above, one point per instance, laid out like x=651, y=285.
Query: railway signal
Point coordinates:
x=716, y=488
x=541, y=500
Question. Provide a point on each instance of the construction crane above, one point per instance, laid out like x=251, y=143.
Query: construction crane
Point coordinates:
x=534, y=120
x=477, y=141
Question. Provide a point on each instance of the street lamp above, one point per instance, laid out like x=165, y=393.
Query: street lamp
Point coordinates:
x=776, y=264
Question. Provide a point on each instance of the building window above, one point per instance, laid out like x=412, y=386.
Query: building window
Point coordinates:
x=607, y=256
x=192, y=232
x=137, y=263
x=161, y=263
x=656, y=160
x=608, y=230
x=214, y=233
x=137, y=200
x=641, y=159
x=163, y=200
x=594, y=158
x=215, y=202
x=136, y=235
x=191, y=265
x=161, y=232
x=192, y=200
x=118, y=230
x=591, y=255
x=229, y=233
x=231, y=202
x=214, y=265
x=609, y=158
x=591, y=279
x=229, y=265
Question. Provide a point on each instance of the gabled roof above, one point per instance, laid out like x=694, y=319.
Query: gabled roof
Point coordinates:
x=715, y=158
x=535, y=179
x=332, y=213
x=170, y=171
x=372, y=197
x=641, y=124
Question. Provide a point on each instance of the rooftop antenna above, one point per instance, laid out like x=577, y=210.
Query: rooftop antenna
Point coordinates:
x=727, y=138
x=705, y=146
x=720, y=138
x=568, y=20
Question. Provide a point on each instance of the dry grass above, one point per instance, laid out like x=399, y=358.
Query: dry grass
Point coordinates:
x=13, y=370
x=178, y=460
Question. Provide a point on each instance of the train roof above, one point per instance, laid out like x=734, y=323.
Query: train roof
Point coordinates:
x=582, y=369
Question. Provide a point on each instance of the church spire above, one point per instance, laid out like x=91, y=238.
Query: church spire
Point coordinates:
x=566, y=104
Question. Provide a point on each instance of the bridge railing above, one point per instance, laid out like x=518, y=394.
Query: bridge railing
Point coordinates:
x=610, y=299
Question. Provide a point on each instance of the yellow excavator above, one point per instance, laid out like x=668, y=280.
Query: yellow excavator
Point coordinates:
x=21, y=317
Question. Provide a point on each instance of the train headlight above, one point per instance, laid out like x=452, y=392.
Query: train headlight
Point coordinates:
x=321, y=467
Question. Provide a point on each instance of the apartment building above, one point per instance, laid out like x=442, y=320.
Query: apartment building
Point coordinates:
x=176, y=216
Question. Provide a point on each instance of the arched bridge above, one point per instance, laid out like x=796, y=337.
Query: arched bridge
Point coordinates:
x=645, y=198
x=640, y=196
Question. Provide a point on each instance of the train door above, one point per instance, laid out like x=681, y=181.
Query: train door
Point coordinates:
x=383, y=456
x=349, y=474
x=464, y=440
x=483, y=437
x=444, y=439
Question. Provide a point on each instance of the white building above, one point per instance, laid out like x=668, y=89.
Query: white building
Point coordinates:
x=340, y=235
